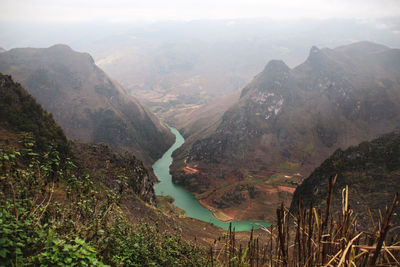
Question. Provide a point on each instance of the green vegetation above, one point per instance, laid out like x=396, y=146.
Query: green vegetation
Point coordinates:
x=66, y=210
x=20, y=112
x=164, y=203
x=53, y=215
x=290, y=166
x=54, y=212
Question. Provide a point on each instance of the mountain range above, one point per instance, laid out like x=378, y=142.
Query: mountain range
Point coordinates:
x=175, y=67
x=286, y=122
x=73, y=194
x=86, y=103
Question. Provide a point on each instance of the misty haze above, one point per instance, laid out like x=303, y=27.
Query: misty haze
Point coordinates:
x=187, y=133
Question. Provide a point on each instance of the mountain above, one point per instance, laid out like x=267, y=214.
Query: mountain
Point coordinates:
x=20, y=114
x=102, y=162
x=173, y=67
x=23, y=121
x=287, y=121
x=88, y=105
x=372, y=172
x=80, y=203
x=195, y=124
x=2, y=50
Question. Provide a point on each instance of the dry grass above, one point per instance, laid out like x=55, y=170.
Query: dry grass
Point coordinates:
x=316, y=238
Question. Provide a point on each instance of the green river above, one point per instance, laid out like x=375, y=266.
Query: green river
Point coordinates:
x=186, y=200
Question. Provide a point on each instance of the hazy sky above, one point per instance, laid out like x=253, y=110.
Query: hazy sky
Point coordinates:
x=153, y=10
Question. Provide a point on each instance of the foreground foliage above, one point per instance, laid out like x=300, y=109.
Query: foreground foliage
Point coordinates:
x=314, y=238
x=52, y=213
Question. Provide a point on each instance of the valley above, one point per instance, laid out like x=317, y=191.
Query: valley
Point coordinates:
x=248, y=159
x=246, y=152
x=185, y=201
x=176, y=71
x=173, y=135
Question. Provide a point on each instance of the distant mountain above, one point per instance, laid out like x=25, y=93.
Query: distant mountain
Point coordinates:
x=87, y=104
x=201, y=122
x=2, y=50
x=372, y=172
x=173, y=67
x=287, y=121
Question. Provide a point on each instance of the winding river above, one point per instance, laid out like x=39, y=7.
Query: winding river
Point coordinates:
x=186, y=200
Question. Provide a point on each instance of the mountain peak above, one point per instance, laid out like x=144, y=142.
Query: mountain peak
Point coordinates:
x=60, y=47
x=85, y=101
x=362, y=47
x=276, y=66
x=314, y=50
x=64, y=50
x=315, y=54
x=274, y=72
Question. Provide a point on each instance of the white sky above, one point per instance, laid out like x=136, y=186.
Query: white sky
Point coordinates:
x=153, y=10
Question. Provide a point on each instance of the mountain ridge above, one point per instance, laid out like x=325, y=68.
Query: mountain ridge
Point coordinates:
x=87, y=104
x=287, y=121
x=369, y=169
x=80, y=203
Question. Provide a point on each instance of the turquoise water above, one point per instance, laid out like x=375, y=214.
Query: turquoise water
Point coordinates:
x=186, y=200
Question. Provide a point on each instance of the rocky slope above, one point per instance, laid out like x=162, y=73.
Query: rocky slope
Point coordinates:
x=21, y=117
x=287, y=121
x=88, y=105
x=118, y=171
x=372, y=172
x=115, y=177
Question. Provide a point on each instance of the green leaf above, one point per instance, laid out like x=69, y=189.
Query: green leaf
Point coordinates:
x=3, y=252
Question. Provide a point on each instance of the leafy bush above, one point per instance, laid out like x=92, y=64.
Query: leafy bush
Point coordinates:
x=24, y=241
x=51, y=213
x=73, y=253
x=145, y=246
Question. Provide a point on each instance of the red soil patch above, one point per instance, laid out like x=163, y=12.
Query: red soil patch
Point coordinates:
x=268, y=190
x=231, y=178
x=190, y=170
x=231, y=213
x=286, y=189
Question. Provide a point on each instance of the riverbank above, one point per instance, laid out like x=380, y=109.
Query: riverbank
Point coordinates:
x=216, y=213
x=187, y=202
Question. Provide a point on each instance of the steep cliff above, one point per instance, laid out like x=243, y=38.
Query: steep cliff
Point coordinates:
x=287, y=121
x=85, y=102
x=22, y=118
x=371, y=170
